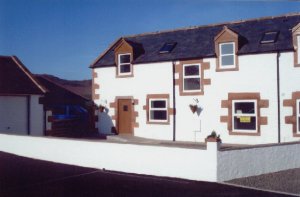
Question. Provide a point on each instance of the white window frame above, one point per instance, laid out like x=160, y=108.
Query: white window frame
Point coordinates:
x=120, y=64
x=160, y=109
x=191, y=77
x=297, y=115
x=298, y=48
x=222, y=55
x=234, y=114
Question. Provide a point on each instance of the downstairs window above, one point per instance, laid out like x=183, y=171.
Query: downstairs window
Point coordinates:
x=158, y=110
x=244, y=117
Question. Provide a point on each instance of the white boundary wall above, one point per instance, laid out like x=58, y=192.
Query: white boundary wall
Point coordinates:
x=195, y=164
x=246, y=162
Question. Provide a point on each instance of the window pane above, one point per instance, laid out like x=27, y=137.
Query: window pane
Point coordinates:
x=227, y=60
x=244, y=123
x=191, y=70
x=158, y=104
x=124, y=59
x=158, y=115
x=125, y=68
x=192, y=84
x=167, y=48
x=269, y=37
x=244, y=107
x=227, y=49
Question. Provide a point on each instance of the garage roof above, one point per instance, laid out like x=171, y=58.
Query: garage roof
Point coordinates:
x=16, y=79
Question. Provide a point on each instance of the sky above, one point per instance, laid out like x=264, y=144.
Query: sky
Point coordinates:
x=63, y=37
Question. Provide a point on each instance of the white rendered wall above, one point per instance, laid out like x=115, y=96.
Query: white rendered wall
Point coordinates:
x=289, y=83
x=154, y=78
x=255, y=161
x=36, y=116
x=195, y=164
x=13, y=114
x=257, y=73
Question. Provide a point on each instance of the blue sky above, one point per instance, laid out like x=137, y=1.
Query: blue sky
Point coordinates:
x=63, y=37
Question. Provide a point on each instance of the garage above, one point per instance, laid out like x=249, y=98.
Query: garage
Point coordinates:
x=14, y=114
x=21, y=111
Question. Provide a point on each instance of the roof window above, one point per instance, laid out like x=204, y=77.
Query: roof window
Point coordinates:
x=269, y=37
x=168, y=47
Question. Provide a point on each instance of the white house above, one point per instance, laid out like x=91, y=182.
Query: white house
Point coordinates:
x=21, y=111
x=240, y=79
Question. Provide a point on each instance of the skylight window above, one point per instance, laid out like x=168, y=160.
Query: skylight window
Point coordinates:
x=168, y=47
x=269, y=37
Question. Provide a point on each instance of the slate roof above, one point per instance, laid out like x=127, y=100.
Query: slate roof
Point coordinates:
x=58, y=94
x=16, y=79
x=198, y=42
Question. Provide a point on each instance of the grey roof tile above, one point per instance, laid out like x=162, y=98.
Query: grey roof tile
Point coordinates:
x=198, y=42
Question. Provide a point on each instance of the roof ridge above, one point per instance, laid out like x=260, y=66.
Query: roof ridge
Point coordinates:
x=213, y=25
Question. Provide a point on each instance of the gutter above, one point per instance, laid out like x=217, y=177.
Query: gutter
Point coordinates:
x=174, y=102
x=278, y=97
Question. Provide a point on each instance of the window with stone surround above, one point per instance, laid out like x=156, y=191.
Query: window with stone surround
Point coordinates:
x=158, y=109
x=244, y=113
x=294, y=118
x=191, y=77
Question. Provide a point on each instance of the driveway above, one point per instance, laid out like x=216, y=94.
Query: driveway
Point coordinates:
x=20, y=176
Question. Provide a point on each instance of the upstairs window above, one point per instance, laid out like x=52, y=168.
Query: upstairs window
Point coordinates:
x=227, y=55
x=124, y=65
x=167, y=48
x=244, y=115
x=158, y=110
x=269, y=37
x=191, y=77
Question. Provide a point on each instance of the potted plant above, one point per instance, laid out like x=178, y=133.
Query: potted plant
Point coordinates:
x=213, y=137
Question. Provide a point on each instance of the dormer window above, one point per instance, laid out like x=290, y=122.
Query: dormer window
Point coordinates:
x=227, y=55
x=124, y=64
x=226, y=48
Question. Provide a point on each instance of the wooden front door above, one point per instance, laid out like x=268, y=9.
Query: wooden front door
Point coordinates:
x=124, y=116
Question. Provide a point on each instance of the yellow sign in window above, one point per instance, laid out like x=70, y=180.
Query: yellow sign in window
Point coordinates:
x=245, y=119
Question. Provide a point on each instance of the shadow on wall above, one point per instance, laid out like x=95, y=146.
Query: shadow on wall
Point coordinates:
x=105, y=123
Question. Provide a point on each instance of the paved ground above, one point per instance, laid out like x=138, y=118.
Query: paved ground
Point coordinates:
x=21, y=176
x=283, y=181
